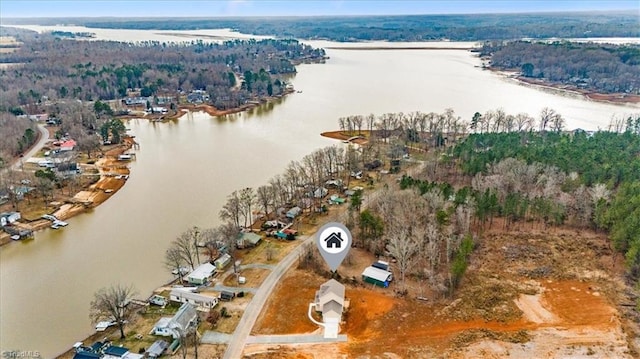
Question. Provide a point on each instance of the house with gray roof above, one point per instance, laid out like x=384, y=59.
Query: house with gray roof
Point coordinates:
x=330, y=302
x=184, y=318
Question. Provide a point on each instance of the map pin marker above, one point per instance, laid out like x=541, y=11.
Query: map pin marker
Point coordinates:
x=334, y=242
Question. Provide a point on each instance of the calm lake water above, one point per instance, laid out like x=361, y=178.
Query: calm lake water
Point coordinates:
x=185, y=170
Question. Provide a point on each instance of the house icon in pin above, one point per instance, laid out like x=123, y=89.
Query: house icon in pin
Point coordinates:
x=334, y=240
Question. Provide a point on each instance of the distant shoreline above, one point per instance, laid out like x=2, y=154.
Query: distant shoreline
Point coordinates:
x=367, y=48
x=612, y=98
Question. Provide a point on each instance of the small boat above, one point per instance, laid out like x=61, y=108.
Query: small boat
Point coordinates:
x=16, y=237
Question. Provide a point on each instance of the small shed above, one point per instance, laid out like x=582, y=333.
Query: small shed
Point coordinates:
x=377, y=276
x=115, y=352
x=222, y=261
x=201, y=274
x=227, y=295
x=294, y=212
x=248, y=239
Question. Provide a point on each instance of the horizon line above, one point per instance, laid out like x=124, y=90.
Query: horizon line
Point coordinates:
x=326, y=15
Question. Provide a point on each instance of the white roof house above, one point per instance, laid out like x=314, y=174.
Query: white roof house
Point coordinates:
x=330, y=301
x=201, y=274
x=201, y=301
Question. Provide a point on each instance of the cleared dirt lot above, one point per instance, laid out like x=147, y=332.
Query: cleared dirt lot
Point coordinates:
x=528, y=293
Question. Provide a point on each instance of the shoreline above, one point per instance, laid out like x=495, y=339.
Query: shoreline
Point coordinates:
x=563, y=89
x=114, y=173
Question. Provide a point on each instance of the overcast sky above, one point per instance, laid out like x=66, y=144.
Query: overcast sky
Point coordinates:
x=145, y=8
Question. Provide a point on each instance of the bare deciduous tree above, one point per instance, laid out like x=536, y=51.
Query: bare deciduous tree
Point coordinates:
x=112, y=303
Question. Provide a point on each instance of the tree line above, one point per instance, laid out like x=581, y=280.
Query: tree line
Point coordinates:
x=605, y=68
x=458, y=27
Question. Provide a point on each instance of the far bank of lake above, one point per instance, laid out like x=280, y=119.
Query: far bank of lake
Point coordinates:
x=186, y=168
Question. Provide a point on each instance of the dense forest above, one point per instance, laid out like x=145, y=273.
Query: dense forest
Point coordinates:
x=602, y=67
x=470, y=27
x=586, y=180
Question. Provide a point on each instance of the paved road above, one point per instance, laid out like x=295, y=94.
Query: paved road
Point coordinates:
x=44, y=137
x=250, y=315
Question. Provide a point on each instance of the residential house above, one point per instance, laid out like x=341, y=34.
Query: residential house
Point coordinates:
x=201, y=274
x=320, y=192
x=164, y=100
x=247, y=239
x=294, y=212
x=203, y=302
x=330, y=302
x=184, y=318
x=198, y=96
x=68, y=145
x=157, y=349
x=133, y=101
x=86, y=355
x=8, y=218
x=377, y=276
x=115, y=352
x=222, y=261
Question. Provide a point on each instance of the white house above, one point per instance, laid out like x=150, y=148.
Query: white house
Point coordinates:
x=185, y=317
x=201, y=274
x=9, y=218
x=203, y=302
x=330, y=302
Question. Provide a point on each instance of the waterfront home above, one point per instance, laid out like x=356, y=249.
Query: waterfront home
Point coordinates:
x=222, y=261
x=247, y=239
x=201, y=275
x=294, y=212
x=202, y=302
x=184, y=318
x=133, y=101
x=157, y=349
x=8, y=218
x=115, y=352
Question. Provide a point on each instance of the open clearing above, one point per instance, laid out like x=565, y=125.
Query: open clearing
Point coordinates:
x=528, y=293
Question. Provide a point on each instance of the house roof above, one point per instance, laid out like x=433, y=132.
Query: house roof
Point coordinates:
x=203, y=271
x=250, y=238
x=86, y=355
x=331, y=290
x=223, y=259
x=162, y=322
x=157, y=348
x=332, y=309
x=116, y=351
x=69, y=143
x=377, y=274
x=193, y=296
x=184, y=316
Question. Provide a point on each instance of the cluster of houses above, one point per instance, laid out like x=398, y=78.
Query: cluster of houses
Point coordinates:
x=104, y=350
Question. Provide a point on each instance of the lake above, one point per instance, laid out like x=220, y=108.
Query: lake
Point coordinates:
x=185, y=170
